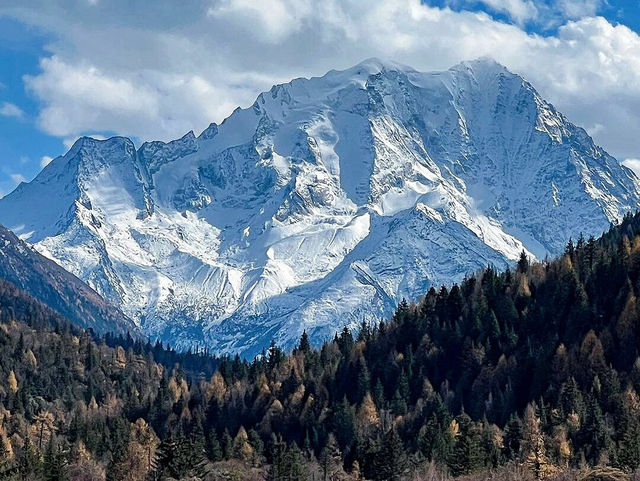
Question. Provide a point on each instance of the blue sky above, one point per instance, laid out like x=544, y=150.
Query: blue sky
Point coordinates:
x=22, y=143
x=76, y=67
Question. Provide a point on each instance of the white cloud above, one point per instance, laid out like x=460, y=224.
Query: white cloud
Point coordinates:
x=518, y=10
x=45, y=160
x=17, y=178
x=633, y=164
x=7, y=109
x=163, y=69
x=578, y=8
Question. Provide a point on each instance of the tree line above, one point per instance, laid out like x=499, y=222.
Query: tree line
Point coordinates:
x=535, y=368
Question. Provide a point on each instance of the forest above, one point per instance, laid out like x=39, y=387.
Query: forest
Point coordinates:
x=531, y=373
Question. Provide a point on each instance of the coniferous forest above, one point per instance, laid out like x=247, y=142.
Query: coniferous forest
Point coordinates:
x=531, y=373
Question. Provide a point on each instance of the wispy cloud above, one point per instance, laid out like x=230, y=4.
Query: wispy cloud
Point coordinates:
x=519, y=10
x=17, y=178
x=7, y=109
x=45, y=160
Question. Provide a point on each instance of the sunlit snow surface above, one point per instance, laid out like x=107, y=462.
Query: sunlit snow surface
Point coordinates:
x=323, y=204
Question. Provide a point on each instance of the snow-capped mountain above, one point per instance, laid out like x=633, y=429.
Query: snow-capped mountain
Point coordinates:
x=61, y=291
x=323, y=204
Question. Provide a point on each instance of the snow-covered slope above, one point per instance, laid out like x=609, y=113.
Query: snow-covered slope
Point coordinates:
x=323, y=204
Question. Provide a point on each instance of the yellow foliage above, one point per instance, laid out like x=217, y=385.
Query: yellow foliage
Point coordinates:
x=533, y=450
x=297, y=396
x=6, y=443
x=178, y=388
x=30, y=358
x=523, y=285
x=632, y=401
x=497, y=437
x=573, y=421
x=13, y=382
x=43, y=427
x=241, y=447
x=627, y=319
x=427, y=389
x=454, y=428
x=120, y=357
x=565, y=450
x=83, y=466
x=367, y=416
x=111, y=405
x=217, y=386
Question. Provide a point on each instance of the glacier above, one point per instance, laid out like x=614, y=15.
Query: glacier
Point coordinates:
x=322, y=204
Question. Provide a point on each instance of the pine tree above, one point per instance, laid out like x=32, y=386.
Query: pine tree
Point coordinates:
x=331, y=460
x=532, y=450
x=54, y=464
x=164, y=459
x=512, y=437
x=242, y=449
x=392, y=461
x=214, y=449
x=594, y=436
x=277, y=452
x=295, y=466
x=304, y=346
x=29, y=463
x=256, y=443
x=629, y=450
x=523, y=263
x=344, y=423
x=378, y=394
x=363, y=379
x=227, y=444
x=466, y=456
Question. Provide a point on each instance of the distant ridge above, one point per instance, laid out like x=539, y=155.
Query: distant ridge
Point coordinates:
x=59, y=290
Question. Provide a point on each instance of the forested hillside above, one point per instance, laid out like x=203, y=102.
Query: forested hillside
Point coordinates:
x=40, y=277
x=536, y=368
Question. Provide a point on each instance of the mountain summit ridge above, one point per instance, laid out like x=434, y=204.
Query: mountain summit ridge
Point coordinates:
x=323, y=203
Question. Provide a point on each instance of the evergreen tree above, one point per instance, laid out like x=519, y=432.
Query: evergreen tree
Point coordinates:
x=214, y=450
x=54, y=463
x=466, y=456
x=304, y=346
x=277, y=452
x=392, y=463
x=331, y=460
x=629, y=451
x=512, y=437
x=29, y=465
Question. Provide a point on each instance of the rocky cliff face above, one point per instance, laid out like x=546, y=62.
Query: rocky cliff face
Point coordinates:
x=323, y=204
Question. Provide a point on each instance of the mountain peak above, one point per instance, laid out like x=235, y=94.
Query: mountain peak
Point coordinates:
x=323, y=203
x=91, y=142
x=362, y=70
x=483, y=69
x=482, y=64
x=375, y=65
